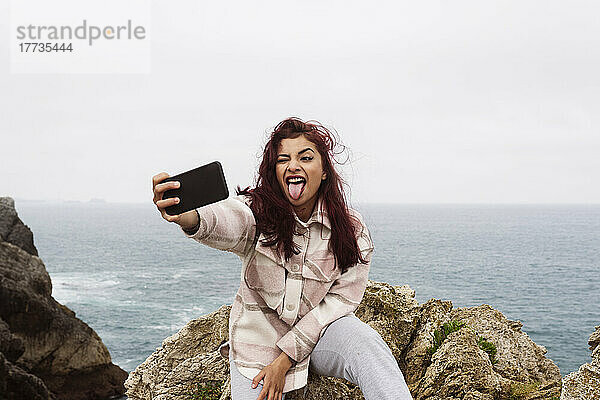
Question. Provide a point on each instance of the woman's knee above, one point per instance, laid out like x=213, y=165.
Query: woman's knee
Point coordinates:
x=350, y=325
x=360, y=331
x=352, y=338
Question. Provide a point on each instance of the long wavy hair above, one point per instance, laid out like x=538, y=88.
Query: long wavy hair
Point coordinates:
x=274, y=213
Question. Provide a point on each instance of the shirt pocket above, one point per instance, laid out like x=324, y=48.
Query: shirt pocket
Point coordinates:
x=266, y=276
x=319, y=274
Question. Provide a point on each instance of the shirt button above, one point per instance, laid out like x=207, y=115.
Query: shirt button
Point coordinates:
x=290, y=307
x=295, y=268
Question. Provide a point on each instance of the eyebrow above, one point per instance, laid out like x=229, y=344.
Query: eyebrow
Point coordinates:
x=300, y=152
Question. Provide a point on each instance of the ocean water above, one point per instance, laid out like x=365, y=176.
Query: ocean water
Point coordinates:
x=136, y=279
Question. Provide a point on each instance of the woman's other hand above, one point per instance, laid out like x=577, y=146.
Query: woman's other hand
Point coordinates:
x=274, y=378
x=186, y=220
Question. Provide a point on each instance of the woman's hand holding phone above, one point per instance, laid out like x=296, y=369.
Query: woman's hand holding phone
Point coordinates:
x=186, y=220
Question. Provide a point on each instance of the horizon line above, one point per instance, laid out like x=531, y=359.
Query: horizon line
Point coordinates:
x=99, y=201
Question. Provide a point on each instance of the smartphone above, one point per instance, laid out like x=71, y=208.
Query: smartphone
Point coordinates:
x=197, y=187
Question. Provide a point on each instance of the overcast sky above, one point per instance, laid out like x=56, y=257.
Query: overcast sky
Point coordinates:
x=439, y=102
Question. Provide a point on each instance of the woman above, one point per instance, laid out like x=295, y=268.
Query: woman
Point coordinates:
x=306, y=259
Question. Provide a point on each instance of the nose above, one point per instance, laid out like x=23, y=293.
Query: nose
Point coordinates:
x=293, y=166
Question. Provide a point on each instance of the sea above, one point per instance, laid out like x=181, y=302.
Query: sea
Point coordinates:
x=137, y=279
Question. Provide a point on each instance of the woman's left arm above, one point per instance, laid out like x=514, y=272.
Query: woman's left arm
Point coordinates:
x=343, y=297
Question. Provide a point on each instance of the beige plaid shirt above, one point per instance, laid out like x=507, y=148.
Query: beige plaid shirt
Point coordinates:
x=282, y=306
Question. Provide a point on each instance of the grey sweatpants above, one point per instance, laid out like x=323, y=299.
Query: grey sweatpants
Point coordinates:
x=348, y=349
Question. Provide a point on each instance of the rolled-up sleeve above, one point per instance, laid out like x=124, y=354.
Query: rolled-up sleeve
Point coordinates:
x=343, y=297
x=227, y=225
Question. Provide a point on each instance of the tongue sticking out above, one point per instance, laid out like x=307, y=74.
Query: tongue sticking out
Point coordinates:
x=296, y=189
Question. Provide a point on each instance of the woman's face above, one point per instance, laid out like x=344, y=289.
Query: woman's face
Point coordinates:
x=299, y=158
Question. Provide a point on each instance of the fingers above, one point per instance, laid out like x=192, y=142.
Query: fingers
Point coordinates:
x=270, y=392
x=271, y=389
x=167, y=202
x=162, y=204
x=160, y=188
x=257, y=379
x=274, y=394
x=265, y=389
x=159, y=178
x=263, y=393
x=171, y=218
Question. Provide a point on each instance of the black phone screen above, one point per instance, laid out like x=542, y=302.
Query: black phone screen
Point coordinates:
x=198, y=187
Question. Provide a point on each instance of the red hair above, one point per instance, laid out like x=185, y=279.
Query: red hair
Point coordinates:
x=274, y=213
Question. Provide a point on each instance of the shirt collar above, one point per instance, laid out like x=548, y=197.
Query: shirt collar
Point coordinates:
x=319, y=215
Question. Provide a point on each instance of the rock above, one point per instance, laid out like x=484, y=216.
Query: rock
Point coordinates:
x=15, y=382
x=47, y=351
x=11, y=347
x=167, y=373
x=12, y=229
x=519, y=359
x=459, y=369
x=584, y=384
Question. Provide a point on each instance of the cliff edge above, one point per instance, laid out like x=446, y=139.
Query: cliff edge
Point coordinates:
x=471, y=353
x=46, y=352
x=584, y=384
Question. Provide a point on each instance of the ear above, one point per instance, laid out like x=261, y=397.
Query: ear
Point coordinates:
x=324, y=176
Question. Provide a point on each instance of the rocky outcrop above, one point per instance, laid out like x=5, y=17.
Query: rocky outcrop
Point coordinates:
x=16, y=383
x=188, y=362
x=12, y=229
x=584, y=384
x=46, y=352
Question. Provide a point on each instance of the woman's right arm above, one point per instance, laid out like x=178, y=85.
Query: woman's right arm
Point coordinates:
x=226, y=225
